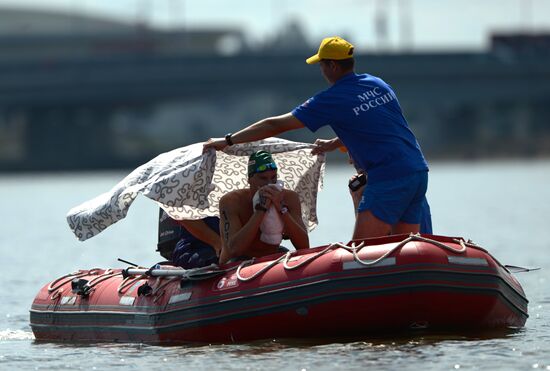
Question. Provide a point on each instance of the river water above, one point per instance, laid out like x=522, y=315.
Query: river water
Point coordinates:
x=503, y=206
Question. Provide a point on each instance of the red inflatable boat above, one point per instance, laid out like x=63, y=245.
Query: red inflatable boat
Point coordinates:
x=366, y=287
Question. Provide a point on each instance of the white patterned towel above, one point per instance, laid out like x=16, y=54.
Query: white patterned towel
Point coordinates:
x=188, y=184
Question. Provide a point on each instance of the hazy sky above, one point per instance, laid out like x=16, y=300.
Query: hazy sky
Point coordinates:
x=419, y=24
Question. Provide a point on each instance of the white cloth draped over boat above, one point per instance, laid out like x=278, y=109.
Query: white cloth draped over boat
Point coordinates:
x=188, y=184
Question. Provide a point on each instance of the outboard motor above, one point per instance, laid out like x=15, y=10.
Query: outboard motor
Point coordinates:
x=169, y=234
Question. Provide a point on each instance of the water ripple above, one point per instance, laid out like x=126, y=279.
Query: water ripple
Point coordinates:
x=16, y=335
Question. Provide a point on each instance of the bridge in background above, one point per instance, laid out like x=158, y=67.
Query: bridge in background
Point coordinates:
x=66, y=113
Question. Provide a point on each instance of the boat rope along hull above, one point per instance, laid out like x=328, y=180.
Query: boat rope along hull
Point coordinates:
x=418, y=286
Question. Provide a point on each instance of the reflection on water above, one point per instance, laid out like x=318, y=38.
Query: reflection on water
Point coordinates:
x=436, y=351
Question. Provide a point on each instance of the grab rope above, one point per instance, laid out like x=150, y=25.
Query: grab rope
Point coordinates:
x=354, y=249
x=413, y=237
x=56, y=295
x=305, y=261
x=136, y=274
x=69, y=277
x=129, y=281
x=105, y=276
x=264, y=269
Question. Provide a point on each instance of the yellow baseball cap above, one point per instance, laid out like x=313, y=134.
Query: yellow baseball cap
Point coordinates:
x=332, y=48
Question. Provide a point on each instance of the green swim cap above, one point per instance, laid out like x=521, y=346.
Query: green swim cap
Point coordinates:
x=260, y=161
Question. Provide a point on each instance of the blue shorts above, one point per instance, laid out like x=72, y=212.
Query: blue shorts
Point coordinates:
x=397, y=200
x=426, y=221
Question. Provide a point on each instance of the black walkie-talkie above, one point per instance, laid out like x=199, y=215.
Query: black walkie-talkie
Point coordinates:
x=357, y=182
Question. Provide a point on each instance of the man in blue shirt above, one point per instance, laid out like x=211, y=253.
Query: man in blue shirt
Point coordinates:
x=366, y=116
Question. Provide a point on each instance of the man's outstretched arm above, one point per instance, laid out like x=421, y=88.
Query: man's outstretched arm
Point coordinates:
x=266, y=128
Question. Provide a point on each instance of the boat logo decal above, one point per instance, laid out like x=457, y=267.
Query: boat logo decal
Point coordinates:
x=467, y=261
x=352, y=264
x=227, y=283
x=127, y=300
x=68, y=300
x=179, y=297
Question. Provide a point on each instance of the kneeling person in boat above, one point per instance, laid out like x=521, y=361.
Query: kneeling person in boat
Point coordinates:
x=189, y=243
x=245, y=224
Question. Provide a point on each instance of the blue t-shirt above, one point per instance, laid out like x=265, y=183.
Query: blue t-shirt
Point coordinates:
x=365, y=114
